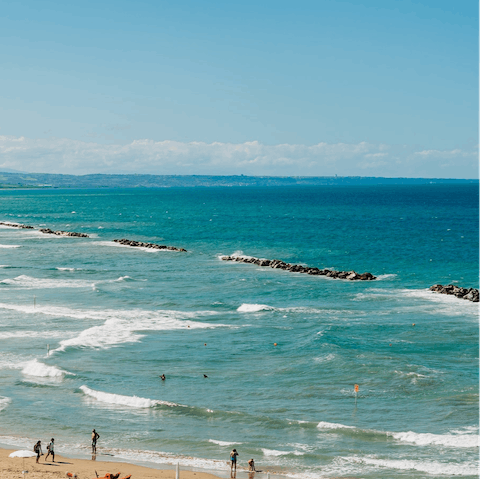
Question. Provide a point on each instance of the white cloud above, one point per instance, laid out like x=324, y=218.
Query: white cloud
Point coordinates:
x=61, y=155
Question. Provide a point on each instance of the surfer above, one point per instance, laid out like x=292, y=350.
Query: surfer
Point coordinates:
x=95, y=437
x=233, y=458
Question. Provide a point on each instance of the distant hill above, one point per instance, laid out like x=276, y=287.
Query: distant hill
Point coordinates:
x=45, y=180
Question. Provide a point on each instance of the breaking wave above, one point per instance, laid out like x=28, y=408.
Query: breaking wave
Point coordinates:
x=466, y=438
x=38, y=369
x=4, y=402
x=130, y=401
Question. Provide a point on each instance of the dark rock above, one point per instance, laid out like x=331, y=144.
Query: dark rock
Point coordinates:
x=298, y=268
x=141, y=244
x=63, y=233
x=470, y=294
x=14, y=225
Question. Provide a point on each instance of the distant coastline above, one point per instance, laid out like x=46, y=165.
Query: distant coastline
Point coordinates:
x=9, y=180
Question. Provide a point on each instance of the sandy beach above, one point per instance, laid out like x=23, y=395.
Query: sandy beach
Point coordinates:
x=11, y=468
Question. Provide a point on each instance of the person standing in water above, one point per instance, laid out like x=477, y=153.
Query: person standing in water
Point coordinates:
x=95, y=437
x=51, y=450
x=233, y=458
x=251, y=465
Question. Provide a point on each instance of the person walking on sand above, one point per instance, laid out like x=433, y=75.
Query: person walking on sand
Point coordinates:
x=233, y=458
x=38, y=449
x=51, y=450
x=95, y=437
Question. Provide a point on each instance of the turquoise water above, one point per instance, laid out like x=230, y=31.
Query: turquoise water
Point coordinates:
x=116, y=317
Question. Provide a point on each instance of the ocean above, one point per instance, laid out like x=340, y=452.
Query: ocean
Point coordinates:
x=87, y=326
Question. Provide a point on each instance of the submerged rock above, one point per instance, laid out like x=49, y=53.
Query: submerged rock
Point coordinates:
x=471, y=294
x=298, y=268
x=141, y=244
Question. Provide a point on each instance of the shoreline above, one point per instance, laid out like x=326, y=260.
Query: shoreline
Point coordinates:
x=11, y=468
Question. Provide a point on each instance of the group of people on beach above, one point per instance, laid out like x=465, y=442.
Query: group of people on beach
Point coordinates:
x=51, y=447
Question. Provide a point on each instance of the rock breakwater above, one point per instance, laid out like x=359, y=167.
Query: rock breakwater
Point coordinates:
x=15, y=225
x=471, y=294
x=48, y=231
x=298, y=268
x=141, y=244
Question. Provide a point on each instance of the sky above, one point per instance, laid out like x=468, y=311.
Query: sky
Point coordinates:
x=284, y=88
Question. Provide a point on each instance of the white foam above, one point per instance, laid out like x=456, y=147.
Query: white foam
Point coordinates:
x=29, y=282
x=323, y=359
x=224, y=443
x=381, y=277
x=66, y=269
x=124, y=327
x=4, y=402
x=13, y=361
x=434, y=468
x=130, y=401
x=124, y=278
x=253, y=308
x=31, y=333
x=139, y=248
x=458, y=440
x=333, y=425
x=8, y=246
x=455, y=439
x=168, y=458
x=38, y=369
x=4, y=266
x=273, y=452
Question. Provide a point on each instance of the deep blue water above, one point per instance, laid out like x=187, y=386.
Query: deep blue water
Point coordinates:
x=115, y=318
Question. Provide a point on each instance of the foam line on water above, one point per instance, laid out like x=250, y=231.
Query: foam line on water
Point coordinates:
x=274, y=452
x=30, y=282
x=156, y=457
x=466, y=438
x=137, y=248
x=427, y=439
x=224, y=443
x=130, y=401
x=39, y=369
x=333, y=425
x=433, y=468
x=4, y=402
x=9, y=246
x=126, y=326
x=33, y=334
x=253, y=308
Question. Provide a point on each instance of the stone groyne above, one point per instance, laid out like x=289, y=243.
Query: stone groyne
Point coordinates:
x=14, y=225
x=471, y=294
x=140, y=244
x=298, y=268
x=48, y=231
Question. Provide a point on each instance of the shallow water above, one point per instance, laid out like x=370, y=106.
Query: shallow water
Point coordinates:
x=115, y=318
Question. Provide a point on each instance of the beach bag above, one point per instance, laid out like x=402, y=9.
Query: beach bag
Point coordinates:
x=48, y=447
x=35, y=448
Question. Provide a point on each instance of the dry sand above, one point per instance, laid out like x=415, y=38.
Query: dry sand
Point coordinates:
x=11, y=468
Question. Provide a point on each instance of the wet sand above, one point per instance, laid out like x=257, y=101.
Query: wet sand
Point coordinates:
x=11, y=468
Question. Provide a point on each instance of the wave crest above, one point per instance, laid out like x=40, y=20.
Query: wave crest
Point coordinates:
x=38, y=369
x=130, y=401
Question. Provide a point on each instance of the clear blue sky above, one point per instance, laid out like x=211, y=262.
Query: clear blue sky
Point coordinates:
x=402, y=74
